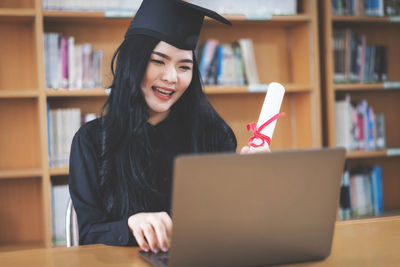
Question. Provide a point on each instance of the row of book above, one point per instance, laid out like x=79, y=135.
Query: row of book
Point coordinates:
x=228, y=64
x=62, y=126
x=366, y=7
x=357, y=61
x=361, y=193
x=70, y=65
x=131, y=5
x=250, y=7
x=358, y=127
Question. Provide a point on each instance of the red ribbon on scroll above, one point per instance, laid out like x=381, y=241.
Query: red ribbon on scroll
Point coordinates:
x=257, y=132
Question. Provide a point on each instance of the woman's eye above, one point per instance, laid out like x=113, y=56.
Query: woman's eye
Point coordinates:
x=159, y=62
x=185, y=68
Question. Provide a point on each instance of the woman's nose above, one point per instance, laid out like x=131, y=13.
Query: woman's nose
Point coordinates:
x=170, y=75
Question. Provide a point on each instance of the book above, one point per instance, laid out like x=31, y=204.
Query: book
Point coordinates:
x=361, y=192
x=238, y=64
x=343, y=119
x=250, y=8
x=64, y=62
x=71, y=61
x=345, y=198
x=207, y=55
x=355, y=61
x=365, y=8
x=249, y=60
x=59, y=202
x=63, y=125
x=370, y=129
x=380, y=138
x=377, y=189
x=71, y=66
x=339, y=53
x=92, y=5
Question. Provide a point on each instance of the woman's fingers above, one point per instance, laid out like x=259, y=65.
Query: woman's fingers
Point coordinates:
x=260, y=149
x=247, y=150
x=161, y=234
x=151, y=230
x=167, y=222
x=151, y=238
x=139, y=236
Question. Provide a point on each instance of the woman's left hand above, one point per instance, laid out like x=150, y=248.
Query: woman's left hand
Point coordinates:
x=247, y=150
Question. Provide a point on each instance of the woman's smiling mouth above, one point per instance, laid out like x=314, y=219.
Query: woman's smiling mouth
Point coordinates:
x=162, y=92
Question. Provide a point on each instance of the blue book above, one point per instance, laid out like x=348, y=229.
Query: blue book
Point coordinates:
x=377, y=189
x=371, y=126
x=220, y=64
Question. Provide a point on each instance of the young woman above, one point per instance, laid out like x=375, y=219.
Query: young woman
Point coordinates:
x=121, y=163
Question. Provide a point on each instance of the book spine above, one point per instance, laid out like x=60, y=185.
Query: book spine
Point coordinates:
x=71, y=62
x=380, y=139
x=376, y=176
x=59, y=200
x=64, y=62
x=371, y=127
x=49, y=132
x=345, y=198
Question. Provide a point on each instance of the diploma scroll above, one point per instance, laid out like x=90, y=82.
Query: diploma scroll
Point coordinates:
x=269, y=112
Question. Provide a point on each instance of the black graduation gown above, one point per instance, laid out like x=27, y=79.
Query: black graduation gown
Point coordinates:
x=95, y=225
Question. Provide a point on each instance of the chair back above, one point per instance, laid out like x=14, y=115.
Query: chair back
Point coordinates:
x=71, y=226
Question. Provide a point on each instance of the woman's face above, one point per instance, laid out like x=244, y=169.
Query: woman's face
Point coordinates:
x=168, y=74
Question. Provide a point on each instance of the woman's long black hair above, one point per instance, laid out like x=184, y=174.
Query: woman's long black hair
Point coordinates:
x=125, y=149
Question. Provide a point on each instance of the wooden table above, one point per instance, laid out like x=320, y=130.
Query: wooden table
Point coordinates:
x=367, y=242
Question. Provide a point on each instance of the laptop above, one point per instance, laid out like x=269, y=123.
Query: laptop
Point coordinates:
x=253, y=209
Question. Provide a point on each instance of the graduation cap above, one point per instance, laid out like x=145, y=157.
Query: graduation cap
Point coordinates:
x=173, y=21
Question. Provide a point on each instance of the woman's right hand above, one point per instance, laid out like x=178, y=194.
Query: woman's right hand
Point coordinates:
x=152, y=230
x=247, y=150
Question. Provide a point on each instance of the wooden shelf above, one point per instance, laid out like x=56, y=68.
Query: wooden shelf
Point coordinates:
x=76, y=93
x=382, y=97
x=365, y=86
x=17, y=15
x=72, y=14
x=362, y=19
x=21, y=246
x=390, y=152
x=285, y=19
x=59, y=171
x=366, y=154
x=19, y=94
x=236, y=89
x=24, y=173
x=358, y=86
x=372, y=217
x=17, y=12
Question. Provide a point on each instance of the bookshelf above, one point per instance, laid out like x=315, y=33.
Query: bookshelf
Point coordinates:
x=382, y=96
x=287, y=51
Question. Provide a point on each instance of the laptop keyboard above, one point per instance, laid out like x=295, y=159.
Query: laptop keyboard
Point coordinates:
x=159, y=259
x=163, y=257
